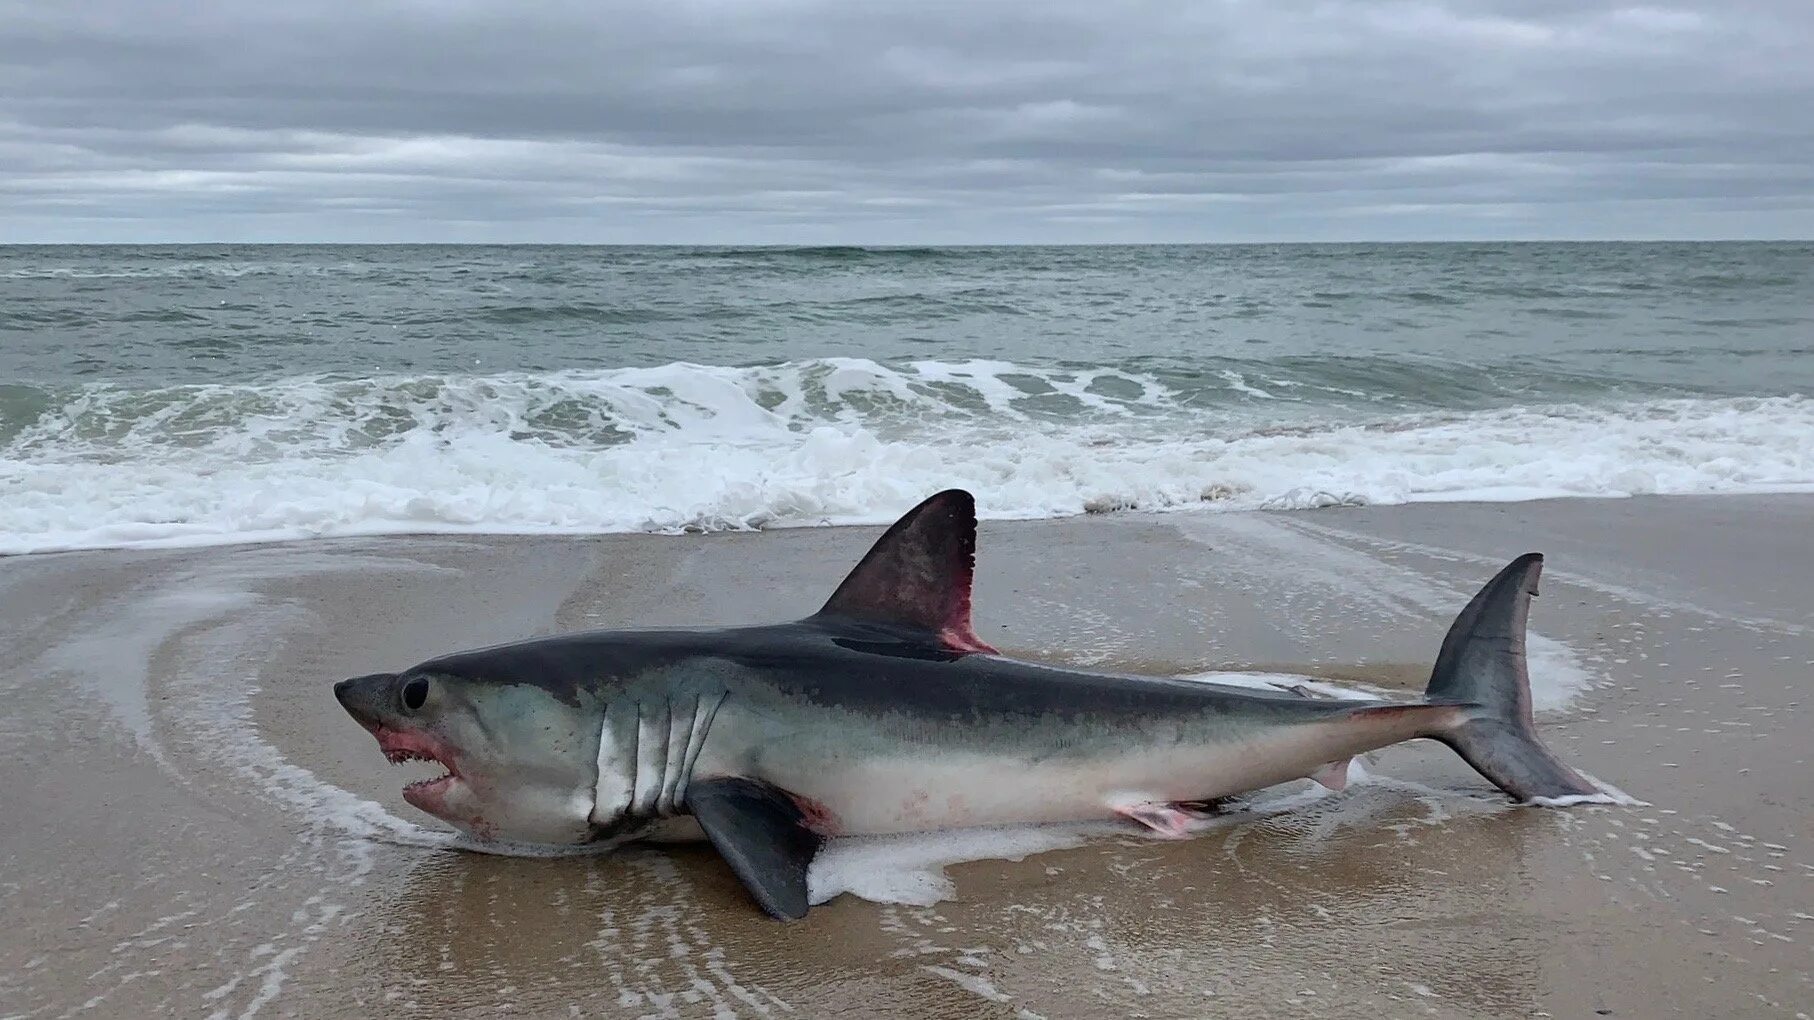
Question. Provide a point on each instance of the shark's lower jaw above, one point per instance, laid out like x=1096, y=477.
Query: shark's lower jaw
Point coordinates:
x=430, y=795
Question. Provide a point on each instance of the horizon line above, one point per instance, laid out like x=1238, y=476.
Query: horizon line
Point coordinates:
x=894, y=245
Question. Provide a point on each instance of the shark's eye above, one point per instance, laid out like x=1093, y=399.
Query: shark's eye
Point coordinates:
x=415, y=693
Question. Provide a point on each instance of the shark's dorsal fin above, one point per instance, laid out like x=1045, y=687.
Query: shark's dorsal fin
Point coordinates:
x=918, y=574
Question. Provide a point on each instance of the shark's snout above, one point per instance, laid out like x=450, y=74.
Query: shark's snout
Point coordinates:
x=361, y=696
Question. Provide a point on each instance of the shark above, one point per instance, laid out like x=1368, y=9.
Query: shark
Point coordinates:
x=884, y=712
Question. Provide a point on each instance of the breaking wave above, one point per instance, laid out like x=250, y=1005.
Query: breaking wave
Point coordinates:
x=687, y=446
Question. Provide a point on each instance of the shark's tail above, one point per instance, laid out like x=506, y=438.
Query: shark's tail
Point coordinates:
x=1482, y=664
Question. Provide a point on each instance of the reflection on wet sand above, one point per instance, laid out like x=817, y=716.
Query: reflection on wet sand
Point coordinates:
x=1133, y=924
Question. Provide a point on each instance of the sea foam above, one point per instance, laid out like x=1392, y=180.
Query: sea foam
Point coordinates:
x=830, y=441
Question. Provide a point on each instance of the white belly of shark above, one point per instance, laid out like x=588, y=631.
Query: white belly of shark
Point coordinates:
x=960, y=790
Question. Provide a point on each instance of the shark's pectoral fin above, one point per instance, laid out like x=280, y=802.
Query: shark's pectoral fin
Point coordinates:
x=759, y=832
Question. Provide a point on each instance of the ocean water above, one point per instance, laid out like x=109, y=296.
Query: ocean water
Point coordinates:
x=204, y=394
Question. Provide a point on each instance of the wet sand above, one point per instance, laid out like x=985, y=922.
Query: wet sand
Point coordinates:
x=189, y=826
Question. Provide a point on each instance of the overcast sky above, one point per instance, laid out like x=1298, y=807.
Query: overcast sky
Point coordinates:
x=903, y=121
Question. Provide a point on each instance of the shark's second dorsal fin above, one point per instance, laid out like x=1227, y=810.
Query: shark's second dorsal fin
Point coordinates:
x=918, y=574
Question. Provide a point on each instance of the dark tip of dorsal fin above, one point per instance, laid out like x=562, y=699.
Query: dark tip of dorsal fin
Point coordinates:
x=918, y=574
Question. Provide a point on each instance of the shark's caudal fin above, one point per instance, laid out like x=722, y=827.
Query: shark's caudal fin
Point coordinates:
x=918, y=574
x=1482, y=662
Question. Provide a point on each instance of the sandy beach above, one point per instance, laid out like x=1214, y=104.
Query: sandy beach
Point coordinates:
x=192, y=827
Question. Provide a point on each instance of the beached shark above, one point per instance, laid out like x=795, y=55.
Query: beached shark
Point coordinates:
x=885, y=713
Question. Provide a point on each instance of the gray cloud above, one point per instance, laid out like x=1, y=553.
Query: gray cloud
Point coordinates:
x=829, y=121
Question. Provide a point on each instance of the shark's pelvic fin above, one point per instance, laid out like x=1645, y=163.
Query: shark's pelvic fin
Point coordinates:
x=760, y=833
x=918, y=574
x=1333, y=776
x=1482, y=663
x=1166, y=819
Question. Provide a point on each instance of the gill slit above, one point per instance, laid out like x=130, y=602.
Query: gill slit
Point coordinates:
x=651, y=761
x=606, y=771
x=680, y=733
x=703, y=714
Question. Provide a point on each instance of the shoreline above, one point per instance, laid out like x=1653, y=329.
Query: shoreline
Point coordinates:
x=1205, y=506
x=206, y=830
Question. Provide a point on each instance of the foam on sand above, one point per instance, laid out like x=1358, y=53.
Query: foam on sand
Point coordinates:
x=910, y=868
x=1609, y=794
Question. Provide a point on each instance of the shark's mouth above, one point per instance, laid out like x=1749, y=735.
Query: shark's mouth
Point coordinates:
x=400, y=746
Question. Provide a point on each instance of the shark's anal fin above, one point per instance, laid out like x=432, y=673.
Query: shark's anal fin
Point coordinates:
x=918, y=574
x=760, y=833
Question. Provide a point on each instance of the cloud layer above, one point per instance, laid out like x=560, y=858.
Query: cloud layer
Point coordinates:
x=829, y=121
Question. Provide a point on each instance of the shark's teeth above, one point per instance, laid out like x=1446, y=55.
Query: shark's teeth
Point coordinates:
x=401, y=755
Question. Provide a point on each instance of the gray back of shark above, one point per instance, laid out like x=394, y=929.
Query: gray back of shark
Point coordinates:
x=884, y=713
